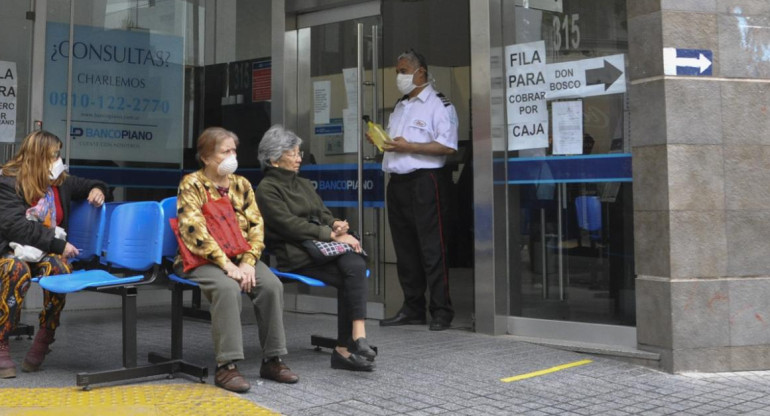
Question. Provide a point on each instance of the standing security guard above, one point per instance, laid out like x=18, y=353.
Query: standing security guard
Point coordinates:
x=424, y=131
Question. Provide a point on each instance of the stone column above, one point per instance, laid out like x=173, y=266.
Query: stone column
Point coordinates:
x=701, y=166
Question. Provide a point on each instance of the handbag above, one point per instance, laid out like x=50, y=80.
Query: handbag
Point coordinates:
x=325, y=251
x=221, y=224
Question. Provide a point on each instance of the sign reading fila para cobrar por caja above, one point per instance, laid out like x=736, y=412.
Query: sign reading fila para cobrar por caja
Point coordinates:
x=525, y=88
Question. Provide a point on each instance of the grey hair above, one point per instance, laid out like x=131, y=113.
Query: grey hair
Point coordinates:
x=415, y=59
x=275, y=141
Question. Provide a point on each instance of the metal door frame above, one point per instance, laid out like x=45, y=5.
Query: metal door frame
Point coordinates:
x=292, y=77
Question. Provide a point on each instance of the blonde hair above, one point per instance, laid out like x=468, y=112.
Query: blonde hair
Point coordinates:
x=32, y=165
x=210, y=139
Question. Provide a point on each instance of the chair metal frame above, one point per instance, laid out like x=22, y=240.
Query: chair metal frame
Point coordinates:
x=119, y=259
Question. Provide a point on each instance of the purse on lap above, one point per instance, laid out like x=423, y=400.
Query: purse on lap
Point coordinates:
x=325, y=251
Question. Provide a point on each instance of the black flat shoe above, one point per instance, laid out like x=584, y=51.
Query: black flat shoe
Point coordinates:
x=362, y=348
x=402, y=319
x=439, y=324
x=353, y=363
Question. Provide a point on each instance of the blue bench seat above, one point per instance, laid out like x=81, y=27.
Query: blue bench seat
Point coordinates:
x=134, y=245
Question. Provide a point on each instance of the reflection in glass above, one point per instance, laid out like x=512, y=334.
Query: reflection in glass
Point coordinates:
x=570, y=216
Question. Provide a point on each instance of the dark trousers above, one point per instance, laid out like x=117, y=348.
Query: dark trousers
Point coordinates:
x=348, y=274
x=418, y=205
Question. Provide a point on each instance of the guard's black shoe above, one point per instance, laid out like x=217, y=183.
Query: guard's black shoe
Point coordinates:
x=362, y=348
x=402, y=319
x=439, y=324
x=354, y=362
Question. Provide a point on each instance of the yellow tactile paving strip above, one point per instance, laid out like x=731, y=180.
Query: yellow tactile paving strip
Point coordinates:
x=166, y=400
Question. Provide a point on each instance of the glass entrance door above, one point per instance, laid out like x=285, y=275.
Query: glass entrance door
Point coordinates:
x=332, y=47
x=339, y=82
x=571, y=204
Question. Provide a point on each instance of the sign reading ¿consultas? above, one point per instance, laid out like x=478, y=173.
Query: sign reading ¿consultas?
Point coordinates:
x=8, y=86
x=525, y=87
x=127, y=93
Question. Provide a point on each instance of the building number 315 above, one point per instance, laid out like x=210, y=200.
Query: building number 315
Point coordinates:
x=566, y=32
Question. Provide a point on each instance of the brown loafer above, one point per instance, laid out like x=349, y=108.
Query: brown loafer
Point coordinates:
x=228, y=378
x=274, y=369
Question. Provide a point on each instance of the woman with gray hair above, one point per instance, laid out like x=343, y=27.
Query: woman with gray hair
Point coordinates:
x=293, y=213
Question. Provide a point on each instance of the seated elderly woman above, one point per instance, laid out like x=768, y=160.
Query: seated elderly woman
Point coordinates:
x=223, y=278
x=293, y=213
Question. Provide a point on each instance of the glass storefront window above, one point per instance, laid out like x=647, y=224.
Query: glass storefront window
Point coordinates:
x=147, y=76
x=565, y=162
x=15, y=74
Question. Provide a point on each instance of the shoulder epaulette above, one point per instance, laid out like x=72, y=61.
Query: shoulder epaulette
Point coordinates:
x=444, y=100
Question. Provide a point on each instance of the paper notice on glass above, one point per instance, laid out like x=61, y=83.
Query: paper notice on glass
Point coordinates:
x=8, y=86
x=351, y=125
x=525, y=89
x=321, y=100
x=567, y=127
x=350, y=75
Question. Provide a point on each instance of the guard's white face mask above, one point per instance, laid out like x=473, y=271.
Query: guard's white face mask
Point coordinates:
x=228, y=166
x=405, y=82
x=57, y=167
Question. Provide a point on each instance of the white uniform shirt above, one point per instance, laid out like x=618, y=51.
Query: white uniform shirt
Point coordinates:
x=422, y=119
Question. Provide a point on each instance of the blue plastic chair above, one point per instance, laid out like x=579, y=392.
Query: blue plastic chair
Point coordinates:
x=589, y=215
x=86, y=229
x=109, y=207
x=133, y=243
x=178, y=284
x=134, y=246
x=169, y=239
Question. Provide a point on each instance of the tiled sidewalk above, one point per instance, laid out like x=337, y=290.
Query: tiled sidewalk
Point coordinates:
x=419, y=372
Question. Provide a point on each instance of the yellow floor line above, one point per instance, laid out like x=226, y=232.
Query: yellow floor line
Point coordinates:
x=546, y=371
x=166, y=400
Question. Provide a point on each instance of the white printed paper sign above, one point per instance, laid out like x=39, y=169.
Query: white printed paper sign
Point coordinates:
x=322, y=91
x=567, y=127
x=525, y=88
x=8, y=87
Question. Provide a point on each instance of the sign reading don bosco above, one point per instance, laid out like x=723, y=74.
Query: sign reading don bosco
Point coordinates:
x=127, y=92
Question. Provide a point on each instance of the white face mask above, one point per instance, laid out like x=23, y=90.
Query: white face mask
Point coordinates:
x=57, y=167
x=404, y=82
x=228, y=166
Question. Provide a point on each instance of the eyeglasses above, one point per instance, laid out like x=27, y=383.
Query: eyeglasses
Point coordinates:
x=293, y=155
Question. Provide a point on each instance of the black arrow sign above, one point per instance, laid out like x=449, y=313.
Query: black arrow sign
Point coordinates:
x=607, y=75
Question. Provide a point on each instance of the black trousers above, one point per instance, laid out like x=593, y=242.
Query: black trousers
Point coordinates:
x=348, y=274
x=418, y=205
